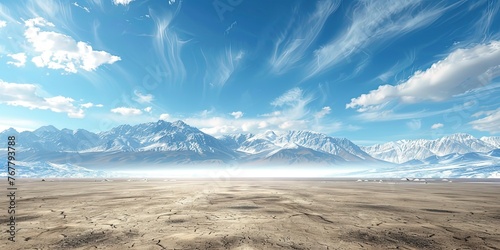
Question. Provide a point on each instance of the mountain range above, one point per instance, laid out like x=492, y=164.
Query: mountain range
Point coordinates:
x=176, y=143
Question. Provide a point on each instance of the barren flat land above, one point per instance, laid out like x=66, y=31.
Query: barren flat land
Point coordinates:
x=253, y=214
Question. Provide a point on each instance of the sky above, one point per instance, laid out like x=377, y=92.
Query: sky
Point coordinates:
x=370, y=71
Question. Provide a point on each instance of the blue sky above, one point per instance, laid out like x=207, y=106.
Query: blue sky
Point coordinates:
x=370, y=71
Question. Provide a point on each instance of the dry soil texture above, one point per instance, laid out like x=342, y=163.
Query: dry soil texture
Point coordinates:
x=253, y=214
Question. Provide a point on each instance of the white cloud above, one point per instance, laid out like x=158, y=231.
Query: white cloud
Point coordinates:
x=292, y=114
x=148, y=109
x=25, y=95
x=140, y=98
x=126, y=111
x=164, y=117
x=81, y=7
x=291, y=47
x=489, y=123
x=168, y=47
x=122, y=2
x=437, y=126
x=459, y=72
x=288, y=98
x=3, y=23
x=59, y=51
x=414, y=124
x=20, y=59
x=87, y=105
x=237, y=114
x=90, y=105
x=373, y=22
x=170, y=2
x=324, y=111
x=221, y=67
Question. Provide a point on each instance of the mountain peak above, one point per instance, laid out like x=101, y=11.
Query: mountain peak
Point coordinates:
x=46, y=129
x=460, y=137
x=179, y=123
x=10, y=131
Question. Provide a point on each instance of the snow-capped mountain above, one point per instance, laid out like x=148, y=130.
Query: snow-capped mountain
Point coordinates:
x=161, y=136
x=492, y=140
x=293, y=153
x=157, y=144
x=468, y=165
x=271, y=141
x=406, y=150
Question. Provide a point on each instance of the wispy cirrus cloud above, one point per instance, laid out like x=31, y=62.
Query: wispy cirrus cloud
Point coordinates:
x=59, y=51
x=374, y=22
x=25, y=95
x=168, y=46
x=483, y=25
x=292, y=46
x=81, y=7
x=461, y=71
x=220, y=68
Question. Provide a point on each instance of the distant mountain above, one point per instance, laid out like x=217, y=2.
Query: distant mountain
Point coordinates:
x=271, y=141
x=161, y=136
x=407, y=150
x=492, y=140
x=157, y=144
x=468, y=165
x=292, y=153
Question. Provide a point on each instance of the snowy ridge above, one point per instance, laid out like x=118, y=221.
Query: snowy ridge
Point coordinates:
x=49, y=151
x=406, y=150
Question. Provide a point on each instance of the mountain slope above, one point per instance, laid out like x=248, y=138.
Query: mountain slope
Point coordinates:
x=407, y=150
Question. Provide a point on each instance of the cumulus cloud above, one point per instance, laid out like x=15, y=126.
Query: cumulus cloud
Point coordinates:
x=148, y=109
x=414, y=124
x=3, y=23
x=324, y=111
x=25, y=95
x=90, y=105
x=461, y=71
x=20, y=59
x=237, y=114
x=291, y=113
x=164, y=117
x=122, y=2
x=140, y=98
x=59, y=51
x=126, y=111
x=437, y=126
x=489, y=123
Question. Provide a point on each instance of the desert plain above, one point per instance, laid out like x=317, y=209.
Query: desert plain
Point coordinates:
x=253, y=214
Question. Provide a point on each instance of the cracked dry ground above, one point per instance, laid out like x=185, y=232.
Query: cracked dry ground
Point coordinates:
x=253, y=214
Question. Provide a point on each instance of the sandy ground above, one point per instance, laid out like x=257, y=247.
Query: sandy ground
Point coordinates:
x=253, y=214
